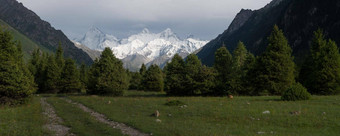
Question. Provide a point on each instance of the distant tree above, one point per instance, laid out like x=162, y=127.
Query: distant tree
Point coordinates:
x=83, y=76
x=142, y=70
x=192, y=80
x=240, y=55
x=223, y=66
x=153, y=79
x=52, y=76
x=34, y=62
x=321, y=70
x=16, y=82
x=274, y=71
x=206, y=80
x=175, y=76
x=59, y=56
x=135, y=81
x=248, y=66
x=40, y=76
x=70, y=82
x=107, y=75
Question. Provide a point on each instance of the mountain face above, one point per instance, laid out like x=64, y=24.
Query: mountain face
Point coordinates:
x=144, y=47
x=39, y=31
x=297, y=18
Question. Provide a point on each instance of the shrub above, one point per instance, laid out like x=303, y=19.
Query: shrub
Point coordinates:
x=296, y=92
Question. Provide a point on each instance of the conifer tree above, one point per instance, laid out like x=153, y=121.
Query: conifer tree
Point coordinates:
x=16, y=83
x=135, y=81
x=192, y=80
x=142, y=70
x=274, y=70
x=83, y=74
x=175, y=76
x=70, y=82
x=239, y=60
x=59, y=56
x=321, y=70
x=223, y=66
x=107, y=75
x=40, y=76
x=153, y=79
x=52, y=76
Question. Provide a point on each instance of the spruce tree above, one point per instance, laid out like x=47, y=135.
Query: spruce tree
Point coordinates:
x=153, y=79
x=192, y=78
x=246, y=83
x=274, y=70
x=40, y=76
x=175, y=76
x=223, y=66
x=70, y=82
x=142, y=70
x=135, y=81
x=320, y=73
x=83, y=75
x=107, y=75
x=52, y=76
x=240, y=55
x=16, y=82
x=59, y=57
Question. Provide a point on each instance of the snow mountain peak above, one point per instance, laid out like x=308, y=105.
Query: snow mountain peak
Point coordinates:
x=145, y=47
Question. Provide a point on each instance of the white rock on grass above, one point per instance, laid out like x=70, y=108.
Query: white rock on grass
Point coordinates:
x=266, y=112
x=158, y=120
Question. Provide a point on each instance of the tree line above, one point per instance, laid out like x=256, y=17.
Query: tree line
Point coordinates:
x=237, y=73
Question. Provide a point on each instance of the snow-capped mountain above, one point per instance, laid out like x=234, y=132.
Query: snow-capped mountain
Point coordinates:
x=144, y=47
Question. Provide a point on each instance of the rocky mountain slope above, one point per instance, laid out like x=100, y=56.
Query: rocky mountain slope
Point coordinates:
x=297, y=18
x=39, y=31
x=144, y=47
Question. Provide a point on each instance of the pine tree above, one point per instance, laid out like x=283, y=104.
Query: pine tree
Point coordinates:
x=206, y=80
x=59, y=57
x=274, y=70
x=83, y=75
x=223, y=66
x=240, y=55
x=34, y=62
x=142, y=70
x=107, y=75
x=192, y=78
x=70, y=82
x=135, y=81
x=16, y=83
x=153, y=79
x=52, y=76
x=246, y=83
x=175, y=76
x=40, y=76
x=320, y=72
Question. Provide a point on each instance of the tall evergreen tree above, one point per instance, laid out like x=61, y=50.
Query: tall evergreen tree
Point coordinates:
x=40, y=76
x=274, y=70
x=16, y=83
x=142, y=70
x=175, y=76
x=192, y=75
x=59, y=57
x=83, y=74
x=70, y=82
x=246, y=83
x=223, y=66
x=52, y=76
x=135, y=81
x=239, y=60
x=153, y=79
x=321, y=70
x=107, y=75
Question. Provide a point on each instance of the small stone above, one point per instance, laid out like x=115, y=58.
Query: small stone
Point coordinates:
x=169, y=115
x=260, y=132
x=109, y=102
x=323, y=113
x=266, y=112
x=158, y=120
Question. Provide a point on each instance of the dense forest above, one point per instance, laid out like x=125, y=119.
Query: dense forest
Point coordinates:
x=238, y=73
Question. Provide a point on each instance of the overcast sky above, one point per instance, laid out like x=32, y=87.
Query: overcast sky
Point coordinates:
x=203, y=18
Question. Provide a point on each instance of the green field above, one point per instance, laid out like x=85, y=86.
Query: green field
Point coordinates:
x=202, y=115
x=27, y=44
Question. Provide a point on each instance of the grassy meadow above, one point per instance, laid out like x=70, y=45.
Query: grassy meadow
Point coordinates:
x=204, y=116
x=24, y=120
x=220, y=115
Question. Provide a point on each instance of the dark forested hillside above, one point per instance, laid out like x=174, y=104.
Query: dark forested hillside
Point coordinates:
x=39, y=31
x=297, y=18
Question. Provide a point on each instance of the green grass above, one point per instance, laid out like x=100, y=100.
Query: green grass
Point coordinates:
x=27, y=44
x=221, y=116
x=24, y=120
x=80, y=122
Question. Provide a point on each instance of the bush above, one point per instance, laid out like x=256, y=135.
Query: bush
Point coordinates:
x=296, y=92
